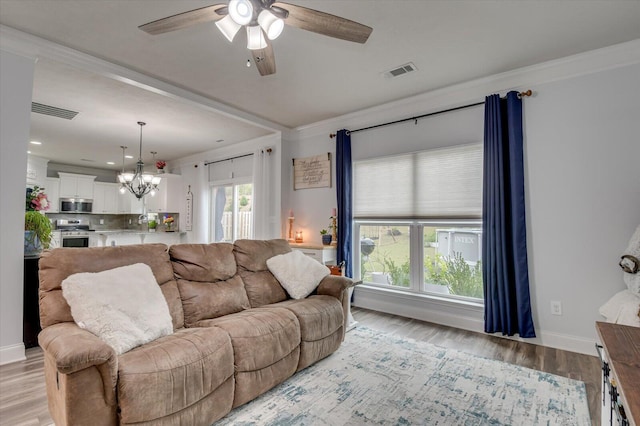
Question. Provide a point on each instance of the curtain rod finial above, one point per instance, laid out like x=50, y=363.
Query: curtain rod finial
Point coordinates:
x=332, y=135
x=527, y=93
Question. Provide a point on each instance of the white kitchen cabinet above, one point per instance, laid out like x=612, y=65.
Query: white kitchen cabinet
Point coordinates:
x=76, y=186
x=56, y=239
x=128, y=203
x=52, y=189
x=105, y=198
x=36, y=171
x=169, y=197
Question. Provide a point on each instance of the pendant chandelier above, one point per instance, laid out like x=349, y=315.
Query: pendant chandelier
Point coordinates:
x=138, y=183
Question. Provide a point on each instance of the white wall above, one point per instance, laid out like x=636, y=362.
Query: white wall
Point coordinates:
x=311, y=207
x=582, y=161
x=16, y=81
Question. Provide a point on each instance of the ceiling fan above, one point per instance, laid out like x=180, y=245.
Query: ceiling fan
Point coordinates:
x=260, y=18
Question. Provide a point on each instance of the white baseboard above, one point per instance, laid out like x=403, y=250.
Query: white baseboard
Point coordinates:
x=12, y=353
x=453, y=314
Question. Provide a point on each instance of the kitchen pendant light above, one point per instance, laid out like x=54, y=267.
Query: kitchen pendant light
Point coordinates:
x=139, y=183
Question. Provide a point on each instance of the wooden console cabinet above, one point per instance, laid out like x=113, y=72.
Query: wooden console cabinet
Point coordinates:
x=31, y=309
x=621, y=373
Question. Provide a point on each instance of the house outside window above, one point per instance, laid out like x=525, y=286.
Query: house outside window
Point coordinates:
x=417, y=222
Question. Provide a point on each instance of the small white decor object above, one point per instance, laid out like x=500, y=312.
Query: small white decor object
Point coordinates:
x=298, y=274
x=123, y=306
x=623, y=308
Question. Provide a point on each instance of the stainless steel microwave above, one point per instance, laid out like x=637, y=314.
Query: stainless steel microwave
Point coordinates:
x=75, y=205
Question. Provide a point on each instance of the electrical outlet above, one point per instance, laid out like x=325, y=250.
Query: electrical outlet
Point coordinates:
x=129, y=221
x=101, y=221
x=556, y=307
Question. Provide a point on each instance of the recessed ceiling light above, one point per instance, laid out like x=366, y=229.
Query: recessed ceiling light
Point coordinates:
x=28, y=152
x=128, y=156
x=111, y=163
x=36, y=143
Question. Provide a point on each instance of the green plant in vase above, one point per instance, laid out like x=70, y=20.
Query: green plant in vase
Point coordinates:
x=326, y=237
x=36, y=225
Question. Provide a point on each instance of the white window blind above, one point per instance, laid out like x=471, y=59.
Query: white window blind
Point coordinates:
x=438, y=183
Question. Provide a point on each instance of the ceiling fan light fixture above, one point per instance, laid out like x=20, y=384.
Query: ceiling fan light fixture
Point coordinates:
x=228, y=27
x=255, y=38
x=271, y=24
x=241, y=11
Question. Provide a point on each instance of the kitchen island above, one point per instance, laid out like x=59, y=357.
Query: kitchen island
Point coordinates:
x=123, y=237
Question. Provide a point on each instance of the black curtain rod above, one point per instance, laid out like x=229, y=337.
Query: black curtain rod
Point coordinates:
x=229, y=159
x=333, y=135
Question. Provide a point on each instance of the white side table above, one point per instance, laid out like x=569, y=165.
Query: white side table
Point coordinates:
x=327, y=255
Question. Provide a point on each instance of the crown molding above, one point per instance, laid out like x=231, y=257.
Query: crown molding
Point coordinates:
x=472, y=91
x=28, y=45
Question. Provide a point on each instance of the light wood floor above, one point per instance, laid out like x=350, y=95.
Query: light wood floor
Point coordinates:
x=23, y=400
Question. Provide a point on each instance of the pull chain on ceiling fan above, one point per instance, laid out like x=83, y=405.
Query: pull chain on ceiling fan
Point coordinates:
x=261, y=17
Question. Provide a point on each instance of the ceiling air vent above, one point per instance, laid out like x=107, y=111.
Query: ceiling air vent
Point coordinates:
x=53, y=111
x=401, y=70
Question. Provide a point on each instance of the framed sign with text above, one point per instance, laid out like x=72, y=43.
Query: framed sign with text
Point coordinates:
x=312, y=172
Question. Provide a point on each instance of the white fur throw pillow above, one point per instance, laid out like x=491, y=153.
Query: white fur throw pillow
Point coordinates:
x=123, y=306
x=297, y=273
x=632, y=280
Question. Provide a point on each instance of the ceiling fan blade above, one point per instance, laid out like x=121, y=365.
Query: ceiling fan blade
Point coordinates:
x=325, y=23
x=184, y=20
x=265, y=60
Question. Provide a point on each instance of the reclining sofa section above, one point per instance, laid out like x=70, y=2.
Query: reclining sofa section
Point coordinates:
x=236, y=335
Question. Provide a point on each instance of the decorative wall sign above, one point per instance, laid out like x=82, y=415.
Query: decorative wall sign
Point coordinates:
x=312, y=172
x=189, y=211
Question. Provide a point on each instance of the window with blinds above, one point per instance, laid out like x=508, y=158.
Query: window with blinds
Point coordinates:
x=433, y=184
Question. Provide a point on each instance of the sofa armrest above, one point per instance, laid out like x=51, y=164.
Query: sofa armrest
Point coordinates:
x=333, y=285
x=73, y=349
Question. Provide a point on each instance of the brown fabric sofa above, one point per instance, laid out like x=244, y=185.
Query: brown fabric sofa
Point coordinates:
x=236, y=335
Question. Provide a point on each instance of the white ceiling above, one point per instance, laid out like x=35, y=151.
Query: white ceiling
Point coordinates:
x=317, y=77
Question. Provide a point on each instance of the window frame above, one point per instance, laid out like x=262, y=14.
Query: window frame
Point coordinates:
x=416, y=254
x=235, y=184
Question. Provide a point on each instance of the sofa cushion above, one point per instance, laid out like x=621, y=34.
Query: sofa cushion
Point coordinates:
x=251, y=257
x=107, y=303
x=297, y=273
x=174, y=373
x=265, y=345
x=57, y=264
x=321, y=321
x=203, y=262
x=207, y=281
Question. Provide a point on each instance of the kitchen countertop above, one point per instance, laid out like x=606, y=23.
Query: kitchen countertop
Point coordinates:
x=134, y=232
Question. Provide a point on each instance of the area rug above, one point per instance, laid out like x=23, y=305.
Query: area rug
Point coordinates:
x=376, y=378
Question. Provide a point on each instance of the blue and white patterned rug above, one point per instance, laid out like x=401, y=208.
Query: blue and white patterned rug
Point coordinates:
x=376, y=378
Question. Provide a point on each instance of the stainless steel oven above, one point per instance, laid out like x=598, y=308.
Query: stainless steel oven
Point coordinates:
x=73, y=239
x=73, y=233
